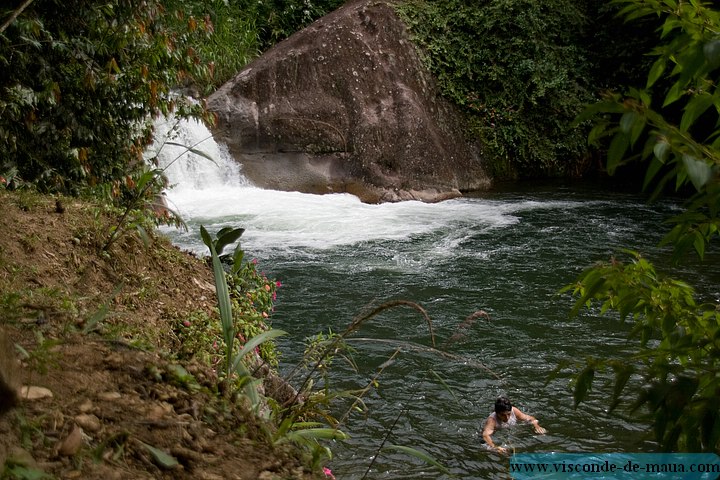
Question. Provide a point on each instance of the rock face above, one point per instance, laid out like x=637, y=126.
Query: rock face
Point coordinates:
x=346, y=105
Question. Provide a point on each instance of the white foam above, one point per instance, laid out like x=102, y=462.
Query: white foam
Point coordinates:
x=216, y=194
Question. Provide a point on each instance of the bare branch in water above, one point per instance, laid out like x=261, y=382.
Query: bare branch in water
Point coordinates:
x=462, y=329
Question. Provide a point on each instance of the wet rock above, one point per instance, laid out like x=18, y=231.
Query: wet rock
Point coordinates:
x=346, y=105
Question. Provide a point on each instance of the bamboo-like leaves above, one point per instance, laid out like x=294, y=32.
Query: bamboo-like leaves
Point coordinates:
x=697, y=105
x=583, y=384
x=253, y=343
x=677, y=345
x=623, y=372
x=618, y=146
x=223, y=297
x=656, y=71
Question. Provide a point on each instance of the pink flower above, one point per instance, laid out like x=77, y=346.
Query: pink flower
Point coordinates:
x=328, y=473
x=267, y=287
x=264, y=314
x=278, y=284
x=254, y=261
x=186, y=323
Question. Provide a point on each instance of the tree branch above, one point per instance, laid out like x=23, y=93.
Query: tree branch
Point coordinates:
x=15, y=14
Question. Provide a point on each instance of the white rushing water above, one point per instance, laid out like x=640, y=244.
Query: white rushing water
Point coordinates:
x=507, y=253
x=216, y=192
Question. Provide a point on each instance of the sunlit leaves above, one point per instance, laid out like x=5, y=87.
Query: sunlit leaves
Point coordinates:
x=96, y=71
x=698, y=171
x=678, y=357
x=681, y=139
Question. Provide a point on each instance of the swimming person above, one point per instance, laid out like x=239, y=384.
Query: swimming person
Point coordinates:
x=505, y=415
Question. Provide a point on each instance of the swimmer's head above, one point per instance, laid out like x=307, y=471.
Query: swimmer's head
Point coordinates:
x=503, y=408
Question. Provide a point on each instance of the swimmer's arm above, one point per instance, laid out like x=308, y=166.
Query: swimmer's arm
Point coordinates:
x=524, y=417
x=488, y=431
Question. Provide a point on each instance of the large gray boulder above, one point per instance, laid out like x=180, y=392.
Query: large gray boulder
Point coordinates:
x=346, y=105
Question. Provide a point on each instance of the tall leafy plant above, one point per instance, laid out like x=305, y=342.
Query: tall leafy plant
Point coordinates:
x=233, y=361
x=673, y=125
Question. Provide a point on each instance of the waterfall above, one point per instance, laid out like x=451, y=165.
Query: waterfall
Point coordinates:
x=215, y=193
x=191, y=157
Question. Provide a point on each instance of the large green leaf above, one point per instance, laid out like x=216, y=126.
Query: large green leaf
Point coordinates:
x=255, y=342
x=699, y=171
x=656, y=71
x=616, y=152
x=227, y=236
x=163, y=460
x=583, y=384
x=223, y=296
x=317, y=434
x=697, y=105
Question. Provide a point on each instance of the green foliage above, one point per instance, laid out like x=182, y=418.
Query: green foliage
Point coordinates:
x=311, y=420
x=79, y=80
x=678, y=354
x=518, y=68
x=276, y=20
x=230, y=40
x=674, y=124
x=233, y=363
x=43, y=356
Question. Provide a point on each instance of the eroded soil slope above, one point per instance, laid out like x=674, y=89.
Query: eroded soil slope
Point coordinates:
x=92, y=335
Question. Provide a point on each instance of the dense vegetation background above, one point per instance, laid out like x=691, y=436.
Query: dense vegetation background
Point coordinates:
x=81, y=80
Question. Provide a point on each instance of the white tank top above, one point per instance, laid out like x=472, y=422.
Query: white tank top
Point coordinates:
x=511, y=421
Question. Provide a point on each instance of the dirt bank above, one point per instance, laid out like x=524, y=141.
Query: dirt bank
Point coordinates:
x=95, y=338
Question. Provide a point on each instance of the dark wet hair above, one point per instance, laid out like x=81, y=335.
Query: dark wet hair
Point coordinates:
x=502, y=404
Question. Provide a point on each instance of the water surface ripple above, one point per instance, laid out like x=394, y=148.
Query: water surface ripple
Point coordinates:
x=507, y=253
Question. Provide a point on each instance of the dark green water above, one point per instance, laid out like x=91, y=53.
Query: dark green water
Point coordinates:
x=507, y=253
x=511, y=270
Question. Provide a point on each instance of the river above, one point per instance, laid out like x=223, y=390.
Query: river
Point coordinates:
x=507, y=252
